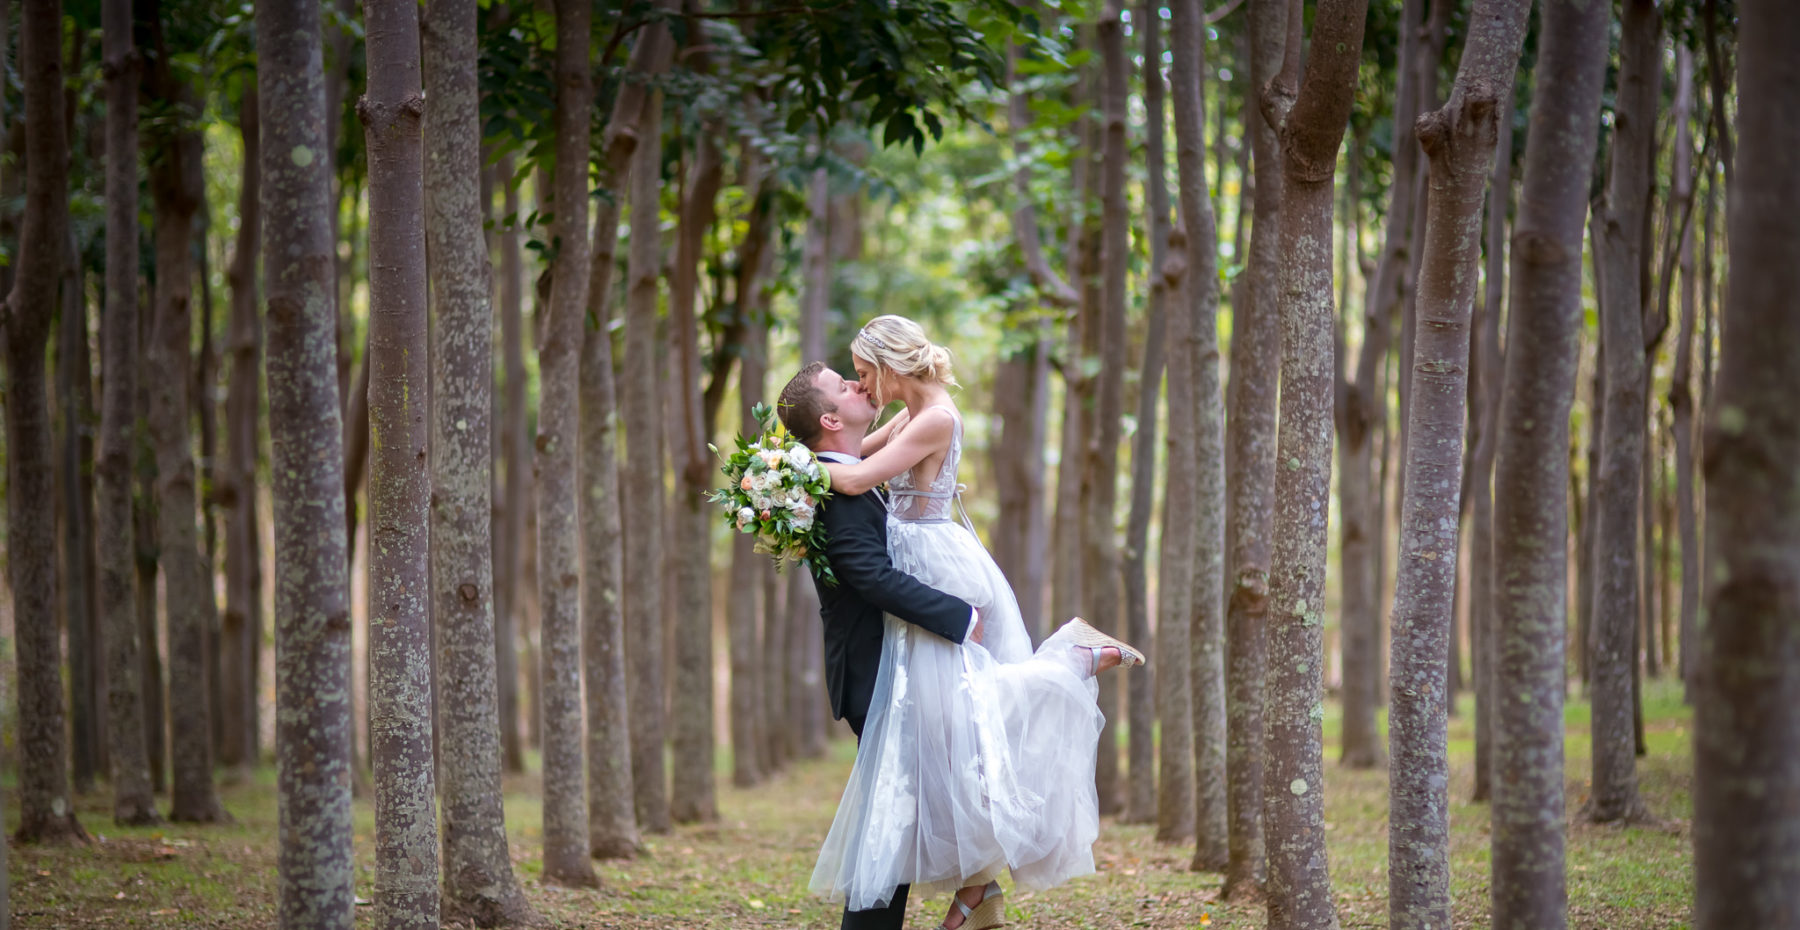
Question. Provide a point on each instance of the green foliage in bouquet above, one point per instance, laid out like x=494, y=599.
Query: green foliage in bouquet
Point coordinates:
x=774, y=489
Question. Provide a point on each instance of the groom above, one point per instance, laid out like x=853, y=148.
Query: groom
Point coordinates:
x=831, y=415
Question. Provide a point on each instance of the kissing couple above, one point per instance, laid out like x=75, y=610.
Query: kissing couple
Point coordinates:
x=975, y=753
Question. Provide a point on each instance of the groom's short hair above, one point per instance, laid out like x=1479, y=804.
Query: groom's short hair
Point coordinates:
x=802, y=404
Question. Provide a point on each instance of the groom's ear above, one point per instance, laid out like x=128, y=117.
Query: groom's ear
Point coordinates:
x=831, y=421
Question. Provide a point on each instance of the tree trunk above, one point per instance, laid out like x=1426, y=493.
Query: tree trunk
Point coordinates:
x=146, y=554
x=778, y=746
x=1587, y=508
x=1176, y=563
x=1458, y=141
x=1143, y=803
x=175, y=185
x=133, y=803
x=1172, y=783
x=1490, y=379
x=1021, y=534
x=406, y=835
x=566, y=860
x=640, y=395
x=692, y=797
x=1531, y=471
x=805, y=636
x=314, y=727
x=515, y=497
x=1293, y=795
x=749, y=716
x=205, y=376
x=1255, y=371
x=1067, y=597
x=1681, y=394
x=1747, y=743
x=479, y=886
x=1207, y=640
x=1616, y=592
x=1362, y=417
x=46, y=811
x=1103, y=582
x=75, y=528
x=612, y=818
x=243, y=550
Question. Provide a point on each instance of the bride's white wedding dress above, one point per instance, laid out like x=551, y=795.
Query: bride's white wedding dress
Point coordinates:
x=974, y=758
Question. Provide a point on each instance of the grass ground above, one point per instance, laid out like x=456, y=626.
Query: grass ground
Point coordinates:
x=750, y=868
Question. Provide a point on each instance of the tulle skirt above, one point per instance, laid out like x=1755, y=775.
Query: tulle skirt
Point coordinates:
x=974, y=758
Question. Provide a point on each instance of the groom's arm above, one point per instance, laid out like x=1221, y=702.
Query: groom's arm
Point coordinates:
x=859, y=558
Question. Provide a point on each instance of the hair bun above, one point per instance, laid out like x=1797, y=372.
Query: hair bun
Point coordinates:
x=937, y=363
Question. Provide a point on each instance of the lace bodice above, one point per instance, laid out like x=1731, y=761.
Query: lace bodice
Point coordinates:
x=936, y=502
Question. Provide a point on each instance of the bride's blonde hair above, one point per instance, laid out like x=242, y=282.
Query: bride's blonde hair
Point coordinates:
x=896, y=345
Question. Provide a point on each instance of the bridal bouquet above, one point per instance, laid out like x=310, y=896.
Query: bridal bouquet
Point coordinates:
x=774, y=490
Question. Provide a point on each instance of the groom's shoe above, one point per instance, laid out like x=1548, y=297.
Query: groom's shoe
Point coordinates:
x=987, y=914
x=1084, y=634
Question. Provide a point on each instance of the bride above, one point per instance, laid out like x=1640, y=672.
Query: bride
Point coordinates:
x=975, y=757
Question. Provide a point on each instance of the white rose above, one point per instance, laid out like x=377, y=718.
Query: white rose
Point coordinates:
x=803, y=516
x=744, y=516
x=799, y=457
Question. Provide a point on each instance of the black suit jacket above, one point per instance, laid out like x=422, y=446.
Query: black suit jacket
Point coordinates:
x=869, y=585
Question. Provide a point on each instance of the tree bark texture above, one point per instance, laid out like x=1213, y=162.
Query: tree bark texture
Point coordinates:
x=1067, y=597
x=612, y=817
x=406, y=834
x=1175, y=567
x=1143, y=802
x=479, y=886
x=749, y=717
x=1747, y=733
x=1490, y=378
x=640, y=396
x=805, y=636
x=1293, y=799
x=1103, y=582
x=242, y=621
x=1458, y=141
x=1616, y=582
x=146, y=557
x=74, y=401
x=115, y=540
x=1362, y=416
x=313, y=723
x=566, y=860
x=176, y=188
x=1206, y=404
x=1681, y=392
x=515, y=495
x=1255, y=374
x=692, y=796
x=46, y=811
x=1173, y=780
x=1531, y=471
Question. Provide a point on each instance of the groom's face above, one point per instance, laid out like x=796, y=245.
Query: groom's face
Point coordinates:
x=855, y=407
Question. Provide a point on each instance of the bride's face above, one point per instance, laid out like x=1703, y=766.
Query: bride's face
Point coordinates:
x=875, y=379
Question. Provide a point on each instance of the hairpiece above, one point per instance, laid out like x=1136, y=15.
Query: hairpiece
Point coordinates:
x=872, y=339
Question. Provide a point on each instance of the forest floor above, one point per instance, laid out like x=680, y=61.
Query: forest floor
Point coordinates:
x=750, y=868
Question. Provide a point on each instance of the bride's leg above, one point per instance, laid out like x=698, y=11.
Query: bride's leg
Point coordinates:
x=970, y=896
